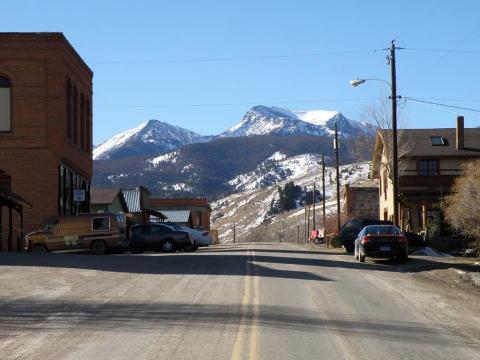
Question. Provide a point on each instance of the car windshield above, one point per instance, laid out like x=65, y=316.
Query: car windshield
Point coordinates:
x=382, y=230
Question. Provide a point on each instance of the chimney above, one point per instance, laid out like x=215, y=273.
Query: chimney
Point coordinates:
x=460, y=133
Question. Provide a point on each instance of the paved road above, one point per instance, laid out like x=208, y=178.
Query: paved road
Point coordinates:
x=248, y=301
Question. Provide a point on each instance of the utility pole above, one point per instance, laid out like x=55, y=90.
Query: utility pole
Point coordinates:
x=234, y=232
x=323, y=191
x=394, y=133
x=313, y=197
x=308, y=223
x=298, y=234
x=305, y=215
x=338, y=176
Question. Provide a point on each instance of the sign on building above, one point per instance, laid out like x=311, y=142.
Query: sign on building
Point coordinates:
x=78, y=195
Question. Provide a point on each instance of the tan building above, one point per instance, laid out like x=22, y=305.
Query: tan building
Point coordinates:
x=360, y=200
x=429, y=162
x=107, y=200
x=45, y=124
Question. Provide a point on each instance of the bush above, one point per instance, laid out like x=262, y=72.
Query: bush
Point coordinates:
x=462, y=207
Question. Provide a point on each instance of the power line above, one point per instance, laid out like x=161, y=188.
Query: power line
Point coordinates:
x=239, y=58
x=440, y=104
x=453, y=51
x=234, y=104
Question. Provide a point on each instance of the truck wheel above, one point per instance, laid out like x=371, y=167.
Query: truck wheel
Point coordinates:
x=361, y=257
x=168, y=246
x=99, y=247
x=39, y=249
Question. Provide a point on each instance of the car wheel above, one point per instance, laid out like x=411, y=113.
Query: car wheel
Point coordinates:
x=403, y=258
x=191, y=248
x=361, y=257
x=168, y=246
x=99, y=247
x=39, y=249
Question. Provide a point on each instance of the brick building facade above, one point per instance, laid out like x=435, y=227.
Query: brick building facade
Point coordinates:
x=45, y=123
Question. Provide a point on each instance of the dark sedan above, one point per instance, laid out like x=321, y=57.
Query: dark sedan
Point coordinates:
x=381, y=241
x=158, y=237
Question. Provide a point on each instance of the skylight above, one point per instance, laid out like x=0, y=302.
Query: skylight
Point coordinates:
x=438, y=141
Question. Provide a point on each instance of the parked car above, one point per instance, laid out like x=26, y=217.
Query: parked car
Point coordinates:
x=349, y=231
x=201, y=237
x=159, y=237
x=99, y=232
x=381, y=241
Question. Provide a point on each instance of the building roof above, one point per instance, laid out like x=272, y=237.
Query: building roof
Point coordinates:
x=364, y=183
x=132, y=198
x=9, y=198
x=179, y=202
x=417, y=143
x=421, y=145
x=177, y=216
x=103, y=196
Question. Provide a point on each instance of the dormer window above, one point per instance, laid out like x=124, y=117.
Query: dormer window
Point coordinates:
x=438, y=141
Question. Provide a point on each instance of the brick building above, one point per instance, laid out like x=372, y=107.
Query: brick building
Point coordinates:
x=45, y=123
x=360, y=200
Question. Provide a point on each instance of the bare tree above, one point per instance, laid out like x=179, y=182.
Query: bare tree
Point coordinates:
x=379, y=113
x=462, y=207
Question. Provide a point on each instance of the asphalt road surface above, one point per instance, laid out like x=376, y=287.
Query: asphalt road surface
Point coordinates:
x=244, y=301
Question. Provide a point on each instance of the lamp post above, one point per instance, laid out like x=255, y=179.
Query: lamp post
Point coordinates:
x=393, y=97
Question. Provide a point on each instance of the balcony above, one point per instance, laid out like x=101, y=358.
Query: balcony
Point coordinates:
x=444, y=178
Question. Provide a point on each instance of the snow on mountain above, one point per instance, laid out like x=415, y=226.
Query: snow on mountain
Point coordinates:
x=151, y=137
x=262, y=120
x=249, y=207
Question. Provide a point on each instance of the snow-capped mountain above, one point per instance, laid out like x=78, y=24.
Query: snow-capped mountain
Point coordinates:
x=151, y=137
x=263, y=120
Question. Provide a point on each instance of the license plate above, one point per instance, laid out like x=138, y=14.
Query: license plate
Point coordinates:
x=384, y=248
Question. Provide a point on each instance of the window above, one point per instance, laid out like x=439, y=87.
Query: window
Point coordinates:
x=69, y=108
x=198, y=218
x=82, y=122
x=75, y=116
x=427, y=167
x=438, y=141
x=5, y=103
x=100, y=223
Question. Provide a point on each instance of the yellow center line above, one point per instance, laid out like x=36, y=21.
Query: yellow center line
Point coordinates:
x=251, y=285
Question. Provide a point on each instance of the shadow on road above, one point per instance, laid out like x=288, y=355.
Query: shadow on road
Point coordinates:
x=221, y=261
x=52, y=316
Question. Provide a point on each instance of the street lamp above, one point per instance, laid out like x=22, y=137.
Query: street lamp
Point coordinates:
x=393, y=97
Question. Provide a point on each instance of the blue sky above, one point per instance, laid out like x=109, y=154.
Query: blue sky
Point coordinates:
x=203, y=64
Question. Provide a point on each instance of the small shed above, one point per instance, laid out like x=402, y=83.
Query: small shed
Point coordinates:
x=107, y=200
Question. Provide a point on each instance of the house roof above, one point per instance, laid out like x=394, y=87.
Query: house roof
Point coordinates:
x=179, y=203
x=103, y=196
x=416, y=143
x=364, y=183
x=177, y=216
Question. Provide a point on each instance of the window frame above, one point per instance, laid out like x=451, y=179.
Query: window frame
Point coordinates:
x=10, y=87
x=100, y=217
x=429, y=170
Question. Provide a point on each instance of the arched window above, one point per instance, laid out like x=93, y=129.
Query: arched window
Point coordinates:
x=5, y=103
x=75, y=116
x=69, y=108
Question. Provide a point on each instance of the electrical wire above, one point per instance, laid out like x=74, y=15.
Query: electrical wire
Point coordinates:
x=440, y=104
x=240, y=58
